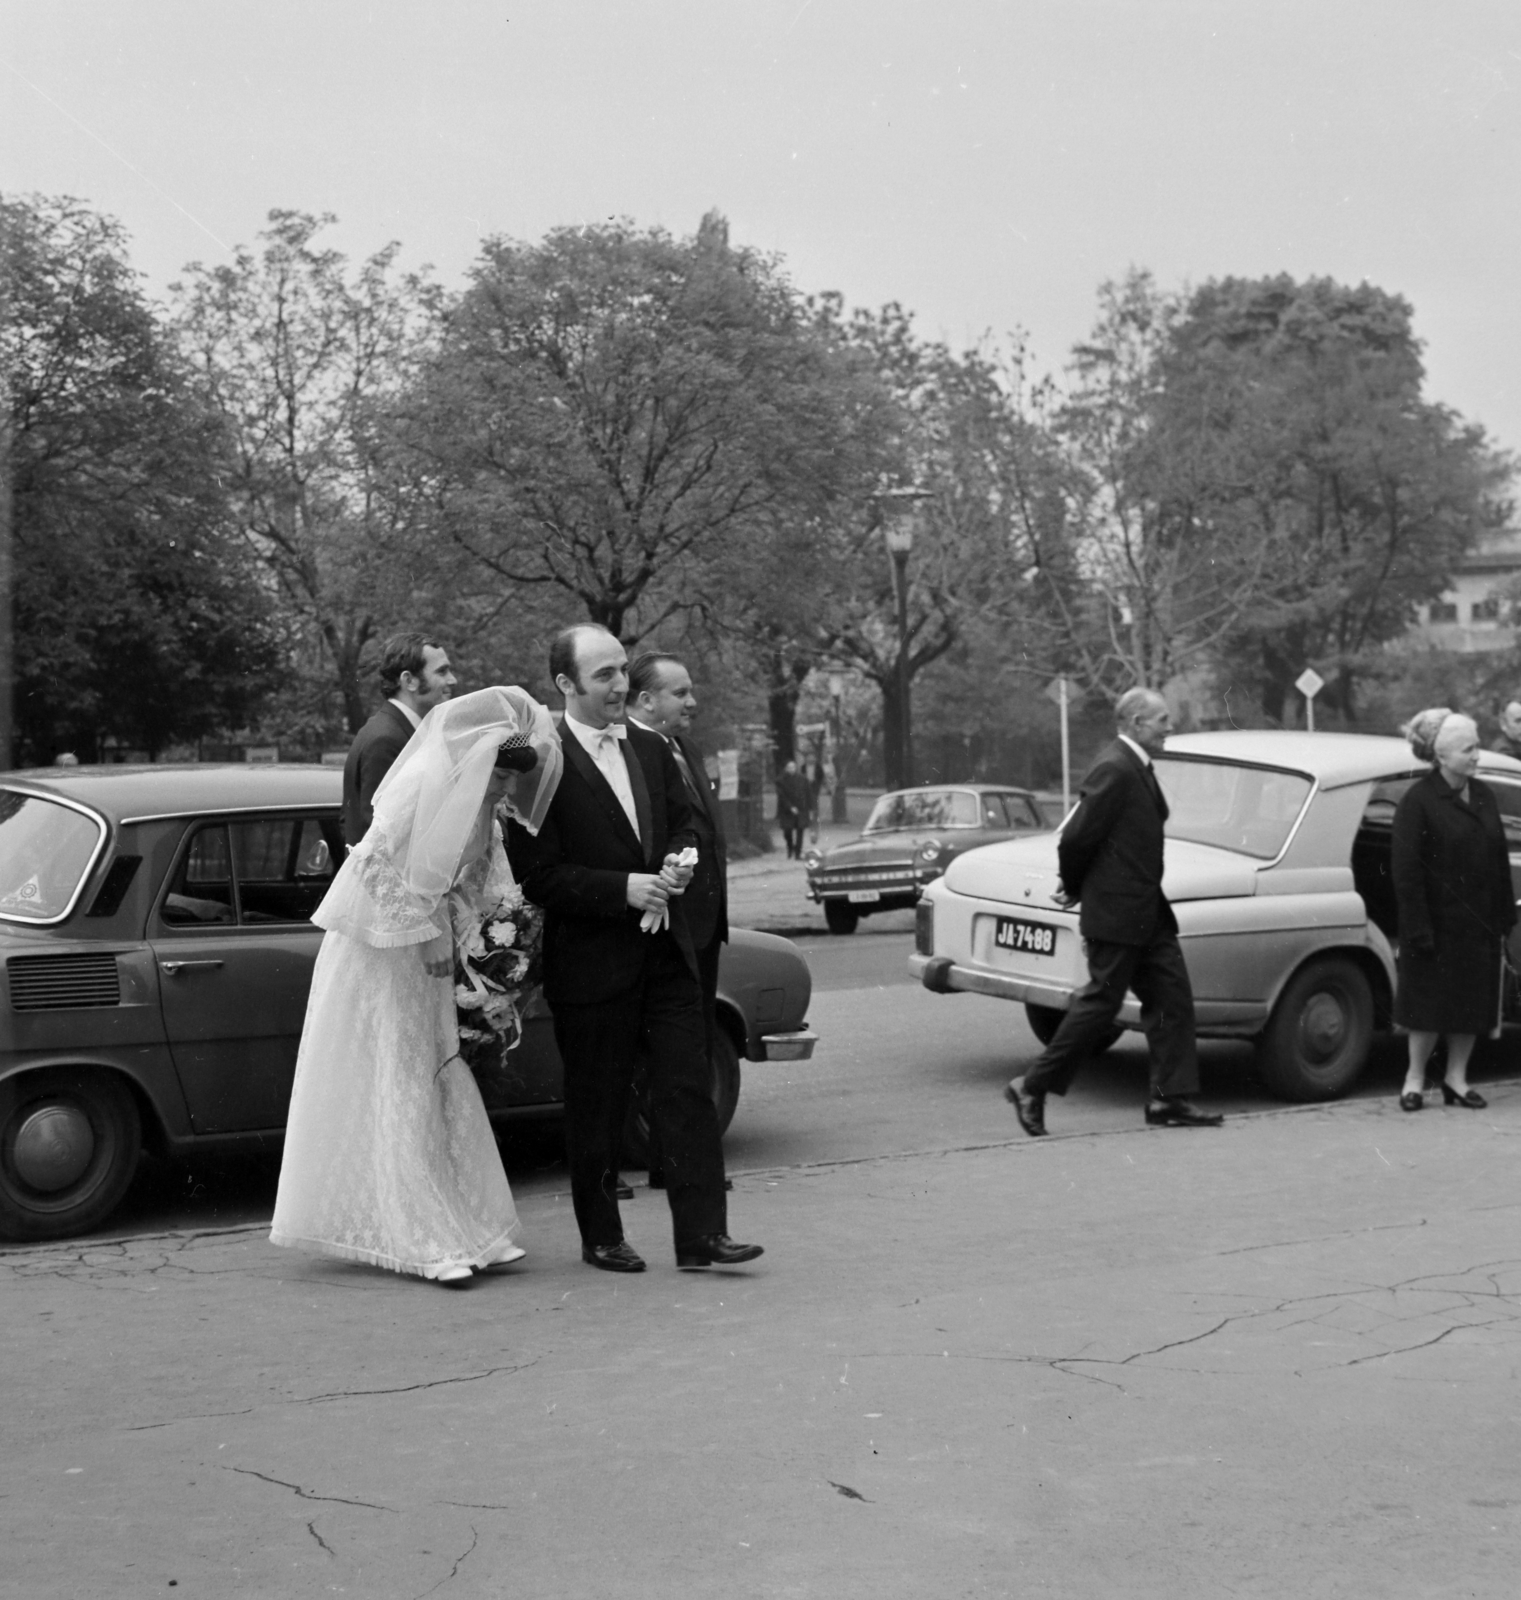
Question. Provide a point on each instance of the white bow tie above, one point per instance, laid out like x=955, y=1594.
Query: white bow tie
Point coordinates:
x=609, y=734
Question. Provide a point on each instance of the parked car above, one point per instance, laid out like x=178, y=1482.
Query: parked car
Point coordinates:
x=1278, y=865
x=910, y=838
x=156, y=948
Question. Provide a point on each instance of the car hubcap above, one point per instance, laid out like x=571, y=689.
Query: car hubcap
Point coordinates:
x=53, y=1148
x=1324, y=1029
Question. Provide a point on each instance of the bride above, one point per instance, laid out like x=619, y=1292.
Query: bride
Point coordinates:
x=389, y=1156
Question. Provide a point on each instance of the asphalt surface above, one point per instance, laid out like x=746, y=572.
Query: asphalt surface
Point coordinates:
x=1274, y=1359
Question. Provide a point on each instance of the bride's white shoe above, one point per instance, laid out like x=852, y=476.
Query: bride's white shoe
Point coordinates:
x=452, y=1275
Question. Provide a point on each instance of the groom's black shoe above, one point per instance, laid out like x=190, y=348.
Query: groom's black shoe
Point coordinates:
x=620, y=1257
x=714, y=1250
x=1173, y=1111
x=622, y=1190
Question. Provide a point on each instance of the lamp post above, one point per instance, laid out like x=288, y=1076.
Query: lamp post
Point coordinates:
x=898, y=512
x=837, y=812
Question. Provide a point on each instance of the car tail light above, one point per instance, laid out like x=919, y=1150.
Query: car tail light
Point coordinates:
x=924, y=928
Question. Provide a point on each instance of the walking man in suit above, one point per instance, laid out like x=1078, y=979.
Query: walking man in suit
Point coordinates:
x=661, y=698
x=1110, y=856
x=604, y=857
x=414, y=677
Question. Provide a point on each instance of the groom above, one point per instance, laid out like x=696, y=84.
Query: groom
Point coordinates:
x=601, y=860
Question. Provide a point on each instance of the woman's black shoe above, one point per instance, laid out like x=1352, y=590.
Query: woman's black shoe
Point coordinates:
x=1472, y=1099
x=1410, y=1101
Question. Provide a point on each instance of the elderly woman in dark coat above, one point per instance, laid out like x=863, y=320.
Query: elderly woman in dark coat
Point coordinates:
x=1452, y=885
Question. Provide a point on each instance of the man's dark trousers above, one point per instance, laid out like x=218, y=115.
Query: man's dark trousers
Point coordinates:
x=662, y=1019
x=1157, y=974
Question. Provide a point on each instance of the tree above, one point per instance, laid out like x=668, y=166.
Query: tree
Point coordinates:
x=303, y=359
x=611, y=407
x=1306, y=399
x=135, y=617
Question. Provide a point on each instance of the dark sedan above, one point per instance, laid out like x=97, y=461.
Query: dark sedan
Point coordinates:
x=910, y=838
x=156, y=948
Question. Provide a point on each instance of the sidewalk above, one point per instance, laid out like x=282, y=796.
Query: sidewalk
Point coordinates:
x=770, y=892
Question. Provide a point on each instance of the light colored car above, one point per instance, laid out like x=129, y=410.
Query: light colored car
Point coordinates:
x=1278, y=866
x=156, y=950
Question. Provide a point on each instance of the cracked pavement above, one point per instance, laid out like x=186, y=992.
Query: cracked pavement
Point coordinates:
x=1275, y=1359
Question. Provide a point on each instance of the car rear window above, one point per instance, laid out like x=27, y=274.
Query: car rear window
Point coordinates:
x=925, y=808
x=46, y=850
x=1248, y=809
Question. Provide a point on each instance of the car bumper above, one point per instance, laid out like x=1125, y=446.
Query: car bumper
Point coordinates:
x=1217, y=1018
x=795, y=1046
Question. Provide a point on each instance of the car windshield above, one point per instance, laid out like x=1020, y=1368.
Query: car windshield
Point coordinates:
x=45, y=851
x=1248, y=809
x=924, y=808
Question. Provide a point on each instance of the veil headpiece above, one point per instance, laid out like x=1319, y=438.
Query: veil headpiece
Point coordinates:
x=430, y=814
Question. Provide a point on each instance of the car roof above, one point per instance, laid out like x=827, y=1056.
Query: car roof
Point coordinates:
x=187, y=788
x=1332, y=759
x=971, y=788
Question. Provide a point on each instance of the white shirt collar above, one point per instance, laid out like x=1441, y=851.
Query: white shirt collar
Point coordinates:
x=591, y=737
x=408, y=713
x=1125, y=738
x=641, y=723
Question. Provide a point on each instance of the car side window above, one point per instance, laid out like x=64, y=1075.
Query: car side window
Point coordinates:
x=1023, y=811
x=1508, y=797
x=995, y=812
x=263, y=871
x=200, y=893
x=284, y=865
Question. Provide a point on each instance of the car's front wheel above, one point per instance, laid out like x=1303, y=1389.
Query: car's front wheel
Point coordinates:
x=841, y=916
x=1318, y=1036
x=69, y=1142
x=724, y=1060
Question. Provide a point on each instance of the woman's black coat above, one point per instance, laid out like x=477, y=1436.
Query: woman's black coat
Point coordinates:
x=1453, y=888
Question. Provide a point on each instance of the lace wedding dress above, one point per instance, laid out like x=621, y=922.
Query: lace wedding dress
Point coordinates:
x=389, y=1155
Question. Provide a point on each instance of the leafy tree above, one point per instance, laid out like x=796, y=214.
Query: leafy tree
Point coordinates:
x=302, y=358
x=611, y=407
x=1305, y=399
x=135, y=618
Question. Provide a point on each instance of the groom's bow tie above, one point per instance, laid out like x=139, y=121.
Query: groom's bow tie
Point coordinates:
x=606, y=737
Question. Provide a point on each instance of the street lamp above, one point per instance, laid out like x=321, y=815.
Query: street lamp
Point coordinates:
x=837, y=812
x=898, y=512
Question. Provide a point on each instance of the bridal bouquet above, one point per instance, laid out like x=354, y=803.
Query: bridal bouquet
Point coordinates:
x=497, y=966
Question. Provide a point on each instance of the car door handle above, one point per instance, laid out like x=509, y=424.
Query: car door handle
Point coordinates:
x=172, y=967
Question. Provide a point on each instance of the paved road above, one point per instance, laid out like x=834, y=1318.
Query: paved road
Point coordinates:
x=897, y=1069
x=1275, y=1359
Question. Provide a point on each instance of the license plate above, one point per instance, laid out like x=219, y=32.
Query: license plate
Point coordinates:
x=864, y=897
x=1031, y=938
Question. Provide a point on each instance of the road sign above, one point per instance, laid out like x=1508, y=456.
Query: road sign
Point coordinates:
x=1309, y=683
x=1061, y=690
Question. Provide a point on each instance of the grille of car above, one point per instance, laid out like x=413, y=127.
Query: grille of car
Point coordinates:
x=63, y=983
x=850, y=877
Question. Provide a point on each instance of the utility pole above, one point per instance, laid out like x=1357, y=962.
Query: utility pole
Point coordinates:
x=7, y=595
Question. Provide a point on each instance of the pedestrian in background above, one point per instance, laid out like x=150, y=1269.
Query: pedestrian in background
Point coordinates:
x=1509, y=741
x=1455, y=905
x=415, y=676
x=792, y=808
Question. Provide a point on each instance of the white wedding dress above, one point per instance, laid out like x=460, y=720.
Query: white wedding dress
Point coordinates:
x=389, y=1155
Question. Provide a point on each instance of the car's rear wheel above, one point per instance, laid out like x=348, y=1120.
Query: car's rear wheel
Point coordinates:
x=841, y=916
x=723, y=1058
x=69, y=1142
x=1317, y=1039
x=1045, y=1020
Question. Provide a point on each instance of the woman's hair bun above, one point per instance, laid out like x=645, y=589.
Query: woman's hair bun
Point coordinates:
x=1422, y=730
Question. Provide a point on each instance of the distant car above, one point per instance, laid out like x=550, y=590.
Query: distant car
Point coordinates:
x=910, y=838
x=1278, y=865
x=156, y=948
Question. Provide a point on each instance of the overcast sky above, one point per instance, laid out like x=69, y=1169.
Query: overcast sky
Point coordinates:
x=987, y=164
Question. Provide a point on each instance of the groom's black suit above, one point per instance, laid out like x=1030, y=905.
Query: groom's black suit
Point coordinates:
x=615, y=990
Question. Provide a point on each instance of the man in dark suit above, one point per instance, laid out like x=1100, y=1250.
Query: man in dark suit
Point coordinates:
x=661, y=698
x=414, y=677
x=1110, y=856
x=604, y=858
x=1509, y=741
